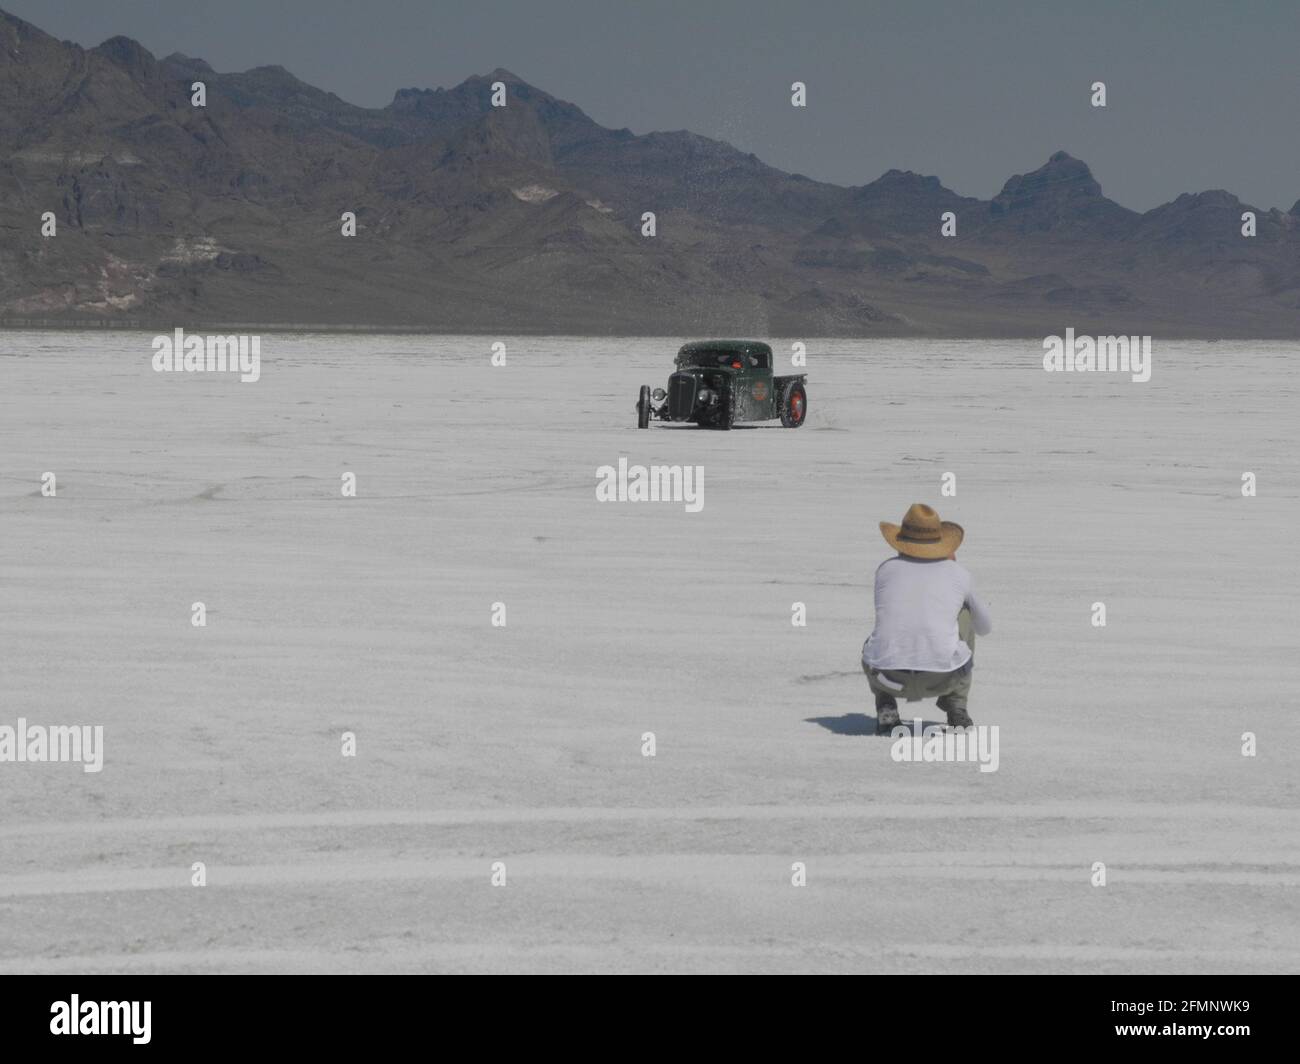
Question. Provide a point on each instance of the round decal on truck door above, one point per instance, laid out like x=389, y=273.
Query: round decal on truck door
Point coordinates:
x=759, y=391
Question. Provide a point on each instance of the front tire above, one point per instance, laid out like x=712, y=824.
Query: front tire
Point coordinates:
x=723, y=416
x=794, y=406
x=643, y=408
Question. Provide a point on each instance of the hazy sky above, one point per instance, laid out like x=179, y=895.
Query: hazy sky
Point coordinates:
x=1200, y=94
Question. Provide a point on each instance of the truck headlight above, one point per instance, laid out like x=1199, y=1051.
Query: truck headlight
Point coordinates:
x=659, y=395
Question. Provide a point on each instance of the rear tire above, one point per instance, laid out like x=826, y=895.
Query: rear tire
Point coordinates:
x=794, y=406
x=643, y=408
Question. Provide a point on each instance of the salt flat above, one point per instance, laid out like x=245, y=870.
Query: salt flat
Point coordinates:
x=475, y=485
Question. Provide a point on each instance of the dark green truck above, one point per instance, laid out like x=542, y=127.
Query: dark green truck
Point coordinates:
x=718, y=383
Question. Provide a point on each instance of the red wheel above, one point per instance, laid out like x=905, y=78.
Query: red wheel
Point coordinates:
x=794, y=406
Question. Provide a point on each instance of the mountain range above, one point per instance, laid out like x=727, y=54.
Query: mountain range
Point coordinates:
x=528, y=218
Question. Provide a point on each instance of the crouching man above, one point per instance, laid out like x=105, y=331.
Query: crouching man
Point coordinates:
x=927, y=617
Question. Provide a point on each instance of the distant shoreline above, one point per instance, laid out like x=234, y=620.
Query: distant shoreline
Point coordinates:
x=157, y=328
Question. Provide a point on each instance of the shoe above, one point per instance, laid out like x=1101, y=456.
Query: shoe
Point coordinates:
x=959, y=718
x=886, y=718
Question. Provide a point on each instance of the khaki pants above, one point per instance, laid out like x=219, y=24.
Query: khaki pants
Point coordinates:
x=911, y=685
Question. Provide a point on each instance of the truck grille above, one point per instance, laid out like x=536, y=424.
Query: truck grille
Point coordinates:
x=681, y=395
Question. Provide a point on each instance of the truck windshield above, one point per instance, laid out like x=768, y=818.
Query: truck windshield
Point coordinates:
x=735, y=359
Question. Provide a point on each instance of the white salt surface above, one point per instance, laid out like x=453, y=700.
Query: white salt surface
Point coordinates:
x=522, y=744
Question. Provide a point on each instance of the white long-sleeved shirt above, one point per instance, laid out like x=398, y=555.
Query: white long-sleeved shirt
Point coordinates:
x=917, y=603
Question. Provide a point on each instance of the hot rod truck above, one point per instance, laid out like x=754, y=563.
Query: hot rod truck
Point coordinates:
x=718, y=383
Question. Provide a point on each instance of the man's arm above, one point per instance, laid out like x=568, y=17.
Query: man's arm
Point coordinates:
x=978, y=614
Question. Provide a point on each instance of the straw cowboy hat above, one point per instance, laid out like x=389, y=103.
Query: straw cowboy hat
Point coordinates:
x=922, y=534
